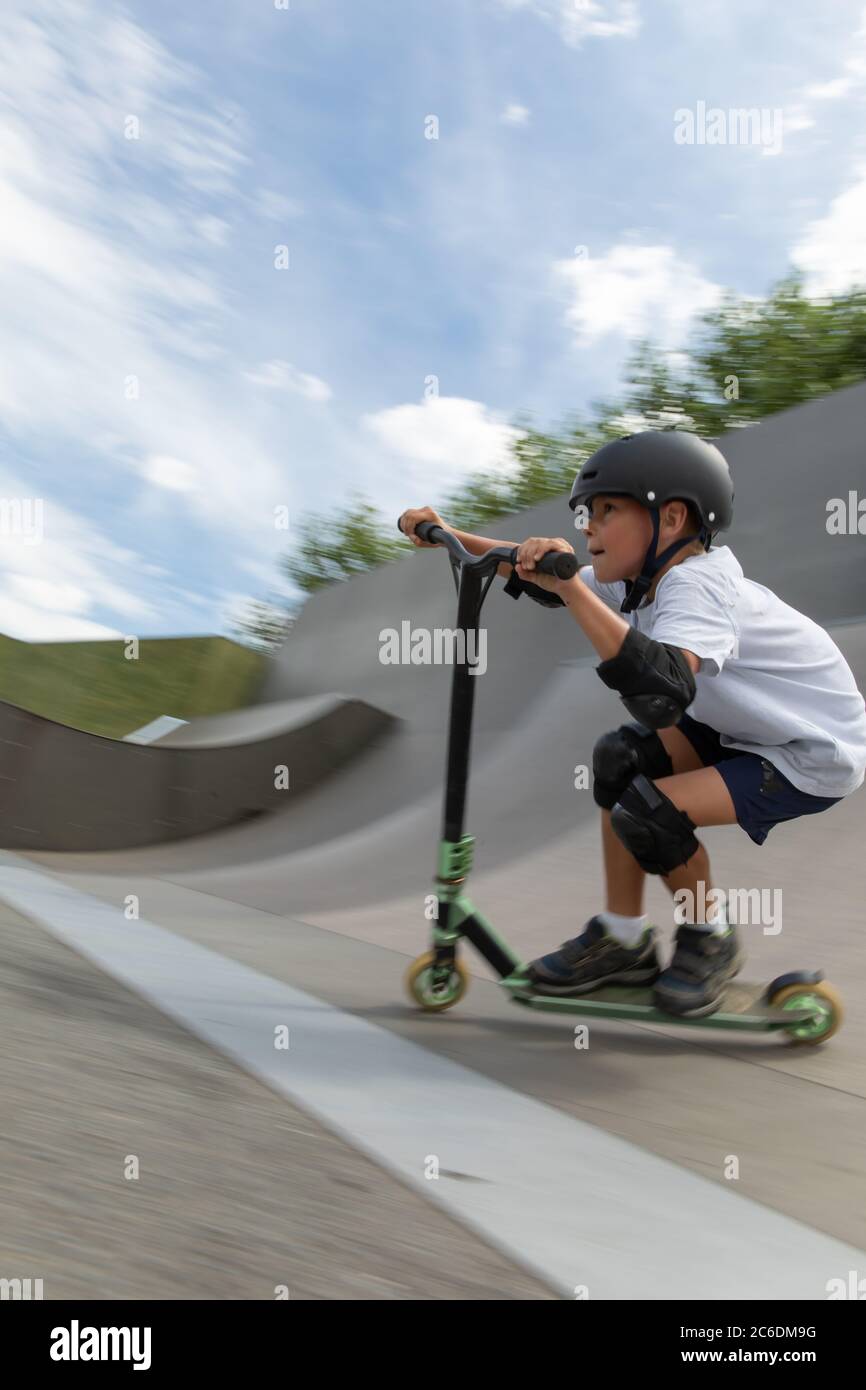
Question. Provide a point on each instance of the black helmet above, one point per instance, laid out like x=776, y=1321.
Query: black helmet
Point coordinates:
x=655, y=467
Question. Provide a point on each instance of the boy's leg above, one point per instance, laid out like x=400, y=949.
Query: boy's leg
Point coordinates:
x=624, y=876
x=707, y=956
x=607, y=953
x=705, y=798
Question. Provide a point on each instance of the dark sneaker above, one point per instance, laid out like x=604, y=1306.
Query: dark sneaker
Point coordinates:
x=702, y=965
x=594, y=959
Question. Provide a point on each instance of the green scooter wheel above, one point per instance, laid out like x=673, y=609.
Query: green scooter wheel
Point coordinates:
x=433, y=987
x=825, y=1011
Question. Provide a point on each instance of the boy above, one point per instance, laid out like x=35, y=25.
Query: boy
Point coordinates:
x=775, y=728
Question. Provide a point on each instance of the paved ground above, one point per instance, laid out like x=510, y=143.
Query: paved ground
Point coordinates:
x=238, y=1192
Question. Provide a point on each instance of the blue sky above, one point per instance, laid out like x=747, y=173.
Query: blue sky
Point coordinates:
x=165, y=386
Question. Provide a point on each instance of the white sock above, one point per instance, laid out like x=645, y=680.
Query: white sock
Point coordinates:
x=627, y=930
x=717, y=921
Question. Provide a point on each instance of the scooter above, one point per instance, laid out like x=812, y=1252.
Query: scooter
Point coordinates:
x=800, y=1004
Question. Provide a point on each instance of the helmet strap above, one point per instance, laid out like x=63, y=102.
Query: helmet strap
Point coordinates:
x=637, y=589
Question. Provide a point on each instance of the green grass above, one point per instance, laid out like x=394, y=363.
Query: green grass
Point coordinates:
x=94, y=686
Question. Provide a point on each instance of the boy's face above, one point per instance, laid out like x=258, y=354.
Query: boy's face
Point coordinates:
x=618, y=535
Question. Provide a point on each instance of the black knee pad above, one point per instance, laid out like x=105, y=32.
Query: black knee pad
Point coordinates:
x=620, y=755
x=651, y=827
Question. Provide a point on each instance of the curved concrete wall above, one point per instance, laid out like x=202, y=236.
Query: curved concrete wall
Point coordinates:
x=62, y=789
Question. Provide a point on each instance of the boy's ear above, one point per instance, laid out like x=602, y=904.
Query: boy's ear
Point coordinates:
x=672, y=512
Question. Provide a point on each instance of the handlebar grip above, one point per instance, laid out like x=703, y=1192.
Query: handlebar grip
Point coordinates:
x=559, y=563
x=424, y=530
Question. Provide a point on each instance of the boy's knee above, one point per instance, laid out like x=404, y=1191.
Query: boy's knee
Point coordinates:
x=619, y=755
x=646, y=821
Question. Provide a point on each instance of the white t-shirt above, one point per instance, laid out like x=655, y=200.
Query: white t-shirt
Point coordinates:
x=771, y=681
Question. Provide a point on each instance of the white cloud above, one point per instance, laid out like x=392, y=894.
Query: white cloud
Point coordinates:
x=213, y=229
x=796, y=118
x=58, y=598
x=284, y=377
x=831, y=253
x=434, y=445
x=791, y=121
x=829, y=91
x=268, y=575
x=89, y=308
x=56, y=573
x=835, y=88
x=634, y=291
x=515, y=115
x=32, y=624
x=189, y=596
x=585, y=19
x=173, y=474
x=276, y=206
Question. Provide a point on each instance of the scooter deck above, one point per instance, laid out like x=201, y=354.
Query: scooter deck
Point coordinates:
x=744, y=1006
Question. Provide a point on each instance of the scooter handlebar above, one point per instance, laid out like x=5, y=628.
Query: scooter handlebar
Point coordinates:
x=430, y=532
x=560, y=563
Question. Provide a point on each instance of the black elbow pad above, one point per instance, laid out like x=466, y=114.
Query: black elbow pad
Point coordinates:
x=515, y=587
x=654, y=680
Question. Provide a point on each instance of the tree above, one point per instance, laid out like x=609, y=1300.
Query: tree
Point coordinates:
x=752, y=358
x=336, y=547
x=264, y=624
x=543, y=466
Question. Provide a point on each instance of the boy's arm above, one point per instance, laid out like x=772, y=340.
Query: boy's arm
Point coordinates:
x=655, y=680
x=605, y=629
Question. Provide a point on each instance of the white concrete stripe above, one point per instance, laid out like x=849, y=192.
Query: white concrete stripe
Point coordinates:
x=157, y=728
x=575, y=1205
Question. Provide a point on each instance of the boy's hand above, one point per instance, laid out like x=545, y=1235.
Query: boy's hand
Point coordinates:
x=530, y=552
x=410, y=519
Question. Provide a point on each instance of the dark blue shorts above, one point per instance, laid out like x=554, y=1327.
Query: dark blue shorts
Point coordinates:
x=761, y=794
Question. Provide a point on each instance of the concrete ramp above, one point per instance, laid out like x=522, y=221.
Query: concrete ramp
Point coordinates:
x=64, y=789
